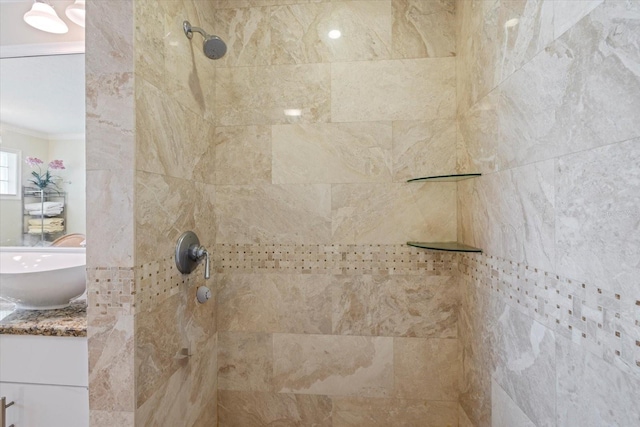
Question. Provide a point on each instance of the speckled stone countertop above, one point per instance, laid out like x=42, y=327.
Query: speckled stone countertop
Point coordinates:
x=65, y=322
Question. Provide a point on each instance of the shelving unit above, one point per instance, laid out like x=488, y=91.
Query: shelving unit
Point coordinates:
x=445, y=246
x=45, y=231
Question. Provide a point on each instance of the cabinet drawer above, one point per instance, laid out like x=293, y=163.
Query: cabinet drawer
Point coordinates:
x=46, y=406
x=44, y=360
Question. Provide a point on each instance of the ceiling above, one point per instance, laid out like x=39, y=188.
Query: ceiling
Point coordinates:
x=41, y=89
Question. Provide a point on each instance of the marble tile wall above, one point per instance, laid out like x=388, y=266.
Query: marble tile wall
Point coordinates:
x=175, y=173
x=110, y=129
x=549, y=321
x=337, y=335
x=325, y=317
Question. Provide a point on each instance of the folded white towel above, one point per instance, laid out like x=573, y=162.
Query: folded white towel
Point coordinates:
x=43, y=206
x=52, y=212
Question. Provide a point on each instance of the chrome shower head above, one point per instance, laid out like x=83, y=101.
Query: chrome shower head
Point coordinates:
x=213, y=46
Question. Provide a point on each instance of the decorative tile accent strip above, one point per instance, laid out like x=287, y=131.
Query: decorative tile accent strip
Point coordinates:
x=159, y=280
x=605, y=323
x=111, y=290
x=332, y=259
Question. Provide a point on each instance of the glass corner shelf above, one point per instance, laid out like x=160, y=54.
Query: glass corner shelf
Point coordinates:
x=446, y=178
x=445, y=246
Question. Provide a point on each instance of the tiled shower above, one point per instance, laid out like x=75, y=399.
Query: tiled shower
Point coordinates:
x=289, y=158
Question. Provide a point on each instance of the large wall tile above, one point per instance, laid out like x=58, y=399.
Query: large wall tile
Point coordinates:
x=149, y=41
x=292, y=303
x=111, y=362
x=475, y=326
x=110, y=124
x=110, y=218
x=167, y=207
x=171, y=139
x=504, y=411
x=409, y=306
x=597, y=216
x=169, y=385
x=463, y=420
x=245, y=361
x=247, y=35
x=422, y=148
x=423, y=28
x=111, y=418
x=109, y=34
x=333, y=365
x=158, y=344
x=232, y=4
x=592, y=392
x=260, y=95
x=512, y=214
x=379, y=412
x=188, y=73
x=523, y=39
x=426, y=368
x=409, y=89
x=478, y=131
x=559, y=112
x=273, y=214
x=300, y=32
x=332, y=153
x=478, y=49
x=393, y=213
x=567, y=13
x=187, y=396
x=242, y=409
x=242, y=155
x=525, y=364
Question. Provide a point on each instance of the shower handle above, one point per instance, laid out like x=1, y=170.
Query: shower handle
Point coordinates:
x=197, y=253
x=189, y=253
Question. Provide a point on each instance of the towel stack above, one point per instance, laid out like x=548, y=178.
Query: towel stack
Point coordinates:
x=46, y=208
x=47, y=225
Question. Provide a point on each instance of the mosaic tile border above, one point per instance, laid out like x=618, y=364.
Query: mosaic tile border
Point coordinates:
x=111, y=290
x=332, y=259
x=159, y=280
x=605, y=323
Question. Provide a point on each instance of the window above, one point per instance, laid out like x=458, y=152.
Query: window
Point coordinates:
x=9, y=173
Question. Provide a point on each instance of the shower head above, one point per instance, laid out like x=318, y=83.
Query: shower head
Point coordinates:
x=213, y=46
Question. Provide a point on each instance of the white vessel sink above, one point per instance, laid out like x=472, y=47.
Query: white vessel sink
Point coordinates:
x=42, y=278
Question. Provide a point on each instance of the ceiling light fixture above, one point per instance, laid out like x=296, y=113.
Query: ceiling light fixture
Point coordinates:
x=42, y=17
x=76, y=13
x=335, y=34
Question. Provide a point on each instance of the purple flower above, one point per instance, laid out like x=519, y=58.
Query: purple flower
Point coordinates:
x=44, y=179
x=33, y=161
x=56, y=164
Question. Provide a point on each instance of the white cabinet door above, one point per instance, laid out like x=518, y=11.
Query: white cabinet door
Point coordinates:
x=45, y=405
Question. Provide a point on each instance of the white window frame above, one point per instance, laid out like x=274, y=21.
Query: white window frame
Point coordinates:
x=17, y=175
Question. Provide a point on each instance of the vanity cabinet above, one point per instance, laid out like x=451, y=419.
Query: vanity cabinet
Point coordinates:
x=46, y=378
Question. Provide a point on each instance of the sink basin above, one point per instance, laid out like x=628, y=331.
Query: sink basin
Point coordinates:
x=42, y=278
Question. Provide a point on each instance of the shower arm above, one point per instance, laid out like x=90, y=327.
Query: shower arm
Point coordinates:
x=189, y=30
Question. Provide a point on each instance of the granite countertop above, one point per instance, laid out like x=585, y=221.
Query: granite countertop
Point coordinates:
x=65, y=322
